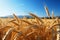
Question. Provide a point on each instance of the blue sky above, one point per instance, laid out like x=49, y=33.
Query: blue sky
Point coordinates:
x=23, y=7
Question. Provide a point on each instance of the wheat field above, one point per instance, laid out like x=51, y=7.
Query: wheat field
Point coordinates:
x=28, y=29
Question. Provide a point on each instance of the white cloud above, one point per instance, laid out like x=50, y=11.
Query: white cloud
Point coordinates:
x=8, y=8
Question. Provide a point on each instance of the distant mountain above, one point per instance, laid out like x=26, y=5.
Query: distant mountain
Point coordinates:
x=28, y=16
x=51, y=17
x=20, y=16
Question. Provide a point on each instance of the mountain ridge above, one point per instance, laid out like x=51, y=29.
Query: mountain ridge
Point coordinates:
x=27, y=16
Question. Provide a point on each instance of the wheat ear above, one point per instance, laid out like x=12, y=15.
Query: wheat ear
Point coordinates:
x=36, y=17
x=27, y=22
x=47, y=12
x=7, y=33
x=17, y=19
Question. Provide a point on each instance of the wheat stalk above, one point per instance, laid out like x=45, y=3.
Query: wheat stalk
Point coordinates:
x=36, y=17
x=27, y=22
x=15, y=23
x=7, y=33
x=17, y=35
x=52, y=14
x=30, y=34
x=17, y=19
x=12, y=20
x=47, y=12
